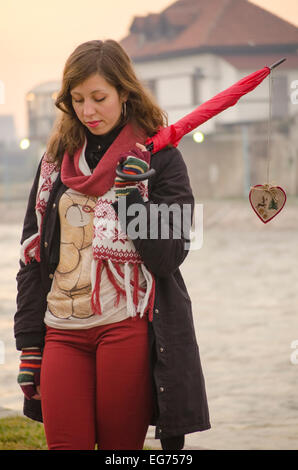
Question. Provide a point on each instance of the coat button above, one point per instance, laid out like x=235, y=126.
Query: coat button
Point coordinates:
x=46, y=244
x=161, y=389
x=161, y=349
x=54, y=205
x=51, y=276
x=156, y=310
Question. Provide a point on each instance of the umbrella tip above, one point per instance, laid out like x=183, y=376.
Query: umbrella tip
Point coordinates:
x=276, y=64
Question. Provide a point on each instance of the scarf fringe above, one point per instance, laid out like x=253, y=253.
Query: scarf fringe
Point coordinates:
x=131, y=310
x=131, y=288
x=33, y=245
x=115, y=284
x=151, y=300
x=121, y=275
x=136, y=284
x=95, y=298
x=148, y=301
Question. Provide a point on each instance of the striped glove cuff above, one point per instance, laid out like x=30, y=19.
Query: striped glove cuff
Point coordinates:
x=29, y=373
x=132, y=166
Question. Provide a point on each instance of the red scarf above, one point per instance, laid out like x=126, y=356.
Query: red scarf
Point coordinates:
x=103, y=177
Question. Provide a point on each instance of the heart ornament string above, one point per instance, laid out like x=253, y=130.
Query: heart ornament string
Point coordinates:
x=267, y=199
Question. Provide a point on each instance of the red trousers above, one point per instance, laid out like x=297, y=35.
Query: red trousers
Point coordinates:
x=96, y=387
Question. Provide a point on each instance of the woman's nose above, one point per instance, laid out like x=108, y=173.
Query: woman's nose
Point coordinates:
x=89, y=108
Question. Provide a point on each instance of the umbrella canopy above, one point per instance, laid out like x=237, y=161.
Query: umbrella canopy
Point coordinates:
x=225, y=99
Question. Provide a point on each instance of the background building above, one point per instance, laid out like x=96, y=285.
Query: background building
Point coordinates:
x=185, y=55
x=196, y=48
x=19, y=159
x=41, y=109
x=7, y=129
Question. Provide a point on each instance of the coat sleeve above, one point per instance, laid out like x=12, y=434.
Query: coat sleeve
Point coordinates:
x=165, y=219
x=30, y=301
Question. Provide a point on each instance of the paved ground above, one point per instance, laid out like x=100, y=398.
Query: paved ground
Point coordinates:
x=243, y=285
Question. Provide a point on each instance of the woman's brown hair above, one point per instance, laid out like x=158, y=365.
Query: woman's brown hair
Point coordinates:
x=108, y=59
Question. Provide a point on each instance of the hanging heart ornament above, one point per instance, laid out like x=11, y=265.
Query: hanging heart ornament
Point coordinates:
x=267, y=201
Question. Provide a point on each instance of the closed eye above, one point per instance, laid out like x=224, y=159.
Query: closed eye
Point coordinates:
x=81, y=101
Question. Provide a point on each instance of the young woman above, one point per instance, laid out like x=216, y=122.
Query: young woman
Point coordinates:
x=103, y=319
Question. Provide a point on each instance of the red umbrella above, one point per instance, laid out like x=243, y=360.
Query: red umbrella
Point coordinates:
x=227, y=98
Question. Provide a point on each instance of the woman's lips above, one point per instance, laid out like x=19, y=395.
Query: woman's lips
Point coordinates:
x=93, y=123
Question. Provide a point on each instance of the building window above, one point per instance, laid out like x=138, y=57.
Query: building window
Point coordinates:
x=175, y=91
x=196, y=84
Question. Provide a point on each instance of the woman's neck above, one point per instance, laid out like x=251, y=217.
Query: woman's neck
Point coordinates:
x=97, y=145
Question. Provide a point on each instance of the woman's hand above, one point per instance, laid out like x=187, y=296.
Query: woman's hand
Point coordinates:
x=134, y=163
x=29, y=374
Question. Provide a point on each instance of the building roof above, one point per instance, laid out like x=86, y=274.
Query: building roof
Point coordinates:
x=224, y=27
x=260, y=60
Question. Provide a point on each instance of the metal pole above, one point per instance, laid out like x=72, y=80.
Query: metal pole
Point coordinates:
x=246, y=160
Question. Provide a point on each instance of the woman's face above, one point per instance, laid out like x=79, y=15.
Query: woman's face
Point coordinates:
x=97, y=104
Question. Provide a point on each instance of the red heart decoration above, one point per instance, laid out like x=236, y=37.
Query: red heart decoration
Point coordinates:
x=267, y=201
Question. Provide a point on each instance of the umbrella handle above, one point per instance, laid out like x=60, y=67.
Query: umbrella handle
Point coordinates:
x=144, y=176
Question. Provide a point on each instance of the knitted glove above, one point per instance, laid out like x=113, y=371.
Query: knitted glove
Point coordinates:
x=29, y=374
x=134, y=164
